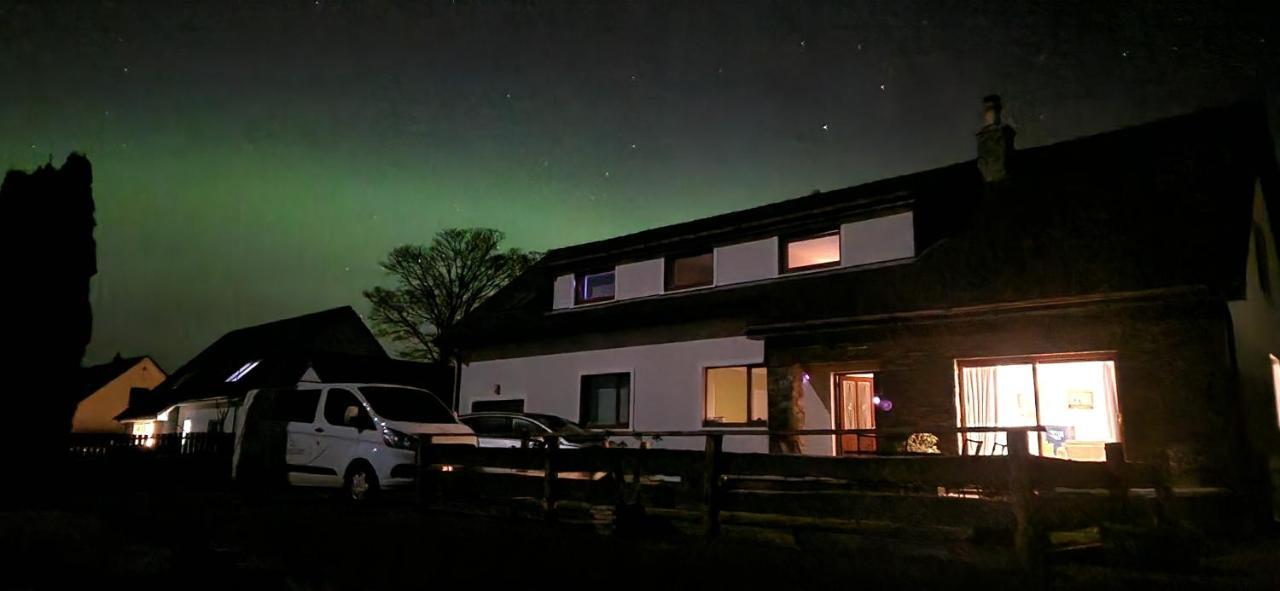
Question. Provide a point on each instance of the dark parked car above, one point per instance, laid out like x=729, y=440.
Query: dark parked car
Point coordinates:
x=513, y=429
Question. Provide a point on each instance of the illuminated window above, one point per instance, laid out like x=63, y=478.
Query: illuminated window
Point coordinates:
x=811, y=252
x=685, y=272
x=1073, y=397
x=146, y=431
x=244, y=369
x=186, y=426
x=595, y=287
x=606, y=400
x=736, y=396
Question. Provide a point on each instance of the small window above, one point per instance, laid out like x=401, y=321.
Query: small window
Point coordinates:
x=736, y=396
x=606, y=400
x=811, y=252
x=595, y=287
x=684, y=272
x=296, y=406
x=336, y=403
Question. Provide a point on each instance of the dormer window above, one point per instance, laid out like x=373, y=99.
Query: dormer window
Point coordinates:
x=595, y=287
x=812, y=251
x=688, y=271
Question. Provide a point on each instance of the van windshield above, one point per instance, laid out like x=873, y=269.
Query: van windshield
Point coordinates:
x=407, y=404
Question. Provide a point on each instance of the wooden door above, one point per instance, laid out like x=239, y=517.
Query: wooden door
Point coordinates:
x=856, y=410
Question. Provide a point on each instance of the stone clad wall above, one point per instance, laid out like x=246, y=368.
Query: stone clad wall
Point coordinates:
x=1173, y=371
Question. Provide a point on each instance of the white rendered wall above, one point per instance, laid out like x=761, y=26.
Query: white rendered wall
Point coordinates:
x=636, y=280
x=747, y=261
x=563, y=297
x=877, y=240
x=666, y=384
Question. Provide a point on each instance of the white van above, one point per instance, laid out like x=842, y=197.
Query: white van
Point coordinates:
x=360, y=437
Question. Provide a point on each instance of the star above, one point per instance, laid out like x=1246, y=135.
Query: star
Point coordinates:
x=126, y=69
x=1124, y=53
x=633, y=146
x=802, y=43
x=824, y=127
x=606, y=174
x=881, y=87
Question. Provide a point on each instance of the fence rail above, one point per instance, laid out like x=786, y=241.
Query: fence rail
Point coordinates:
x=1017, y=491
x=107, y=444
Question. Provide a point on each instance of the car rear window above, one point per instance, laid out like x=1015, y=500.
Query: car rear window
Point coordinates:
x=407, y=404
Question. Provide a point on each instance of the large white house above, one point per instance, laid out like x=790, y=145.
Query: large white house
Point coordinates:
x=1118, y=287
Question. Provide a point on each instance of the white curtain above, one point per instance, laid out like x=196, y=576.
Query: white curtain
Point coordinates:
x=979, y=409
x=1113, y=413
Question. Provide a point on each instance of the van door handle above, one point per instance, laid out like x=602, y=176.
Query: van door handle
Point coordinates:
x=319, y=429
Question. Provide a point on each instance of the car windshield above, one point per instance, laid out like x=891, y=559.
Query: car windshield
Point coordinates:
x=406, y=404
x=559, y=425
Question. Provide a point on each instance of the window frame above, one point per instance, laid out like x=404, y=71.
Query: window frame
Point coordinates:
x=784, y=254
x=706, y=423
x=579, y=284
x=582, y=419
x=1034, y=361
x=668, y=270
x=324, y=410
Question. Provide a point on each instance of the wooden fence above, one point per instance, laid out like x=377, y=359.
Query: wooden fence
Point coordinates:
x=1025, y=495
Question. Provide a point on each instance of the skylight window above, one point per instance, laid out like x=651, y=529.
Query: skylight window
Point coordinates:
x=244, y=369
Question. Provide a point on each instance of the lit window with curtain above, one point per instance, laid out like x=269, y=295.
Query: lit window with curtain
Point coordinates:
x=736, y=396
x=1073, y=397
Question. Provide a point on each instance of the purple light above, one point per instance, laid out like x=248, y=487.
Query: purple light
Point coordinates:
x=885, y=405
x=806, y=376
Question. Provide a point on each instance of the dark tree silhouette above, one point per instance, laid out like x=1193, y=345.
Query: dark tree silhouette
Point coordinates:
x=49, y=222
x=438, y=284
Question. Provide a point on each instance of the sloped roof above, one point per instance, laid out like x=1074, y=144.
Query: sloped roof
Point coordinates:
x=282, y=348
x=94, y=377
x=1154, y=206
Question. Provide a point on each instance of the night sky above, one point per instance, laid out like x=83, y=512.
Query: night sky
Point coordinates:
x=255, y=160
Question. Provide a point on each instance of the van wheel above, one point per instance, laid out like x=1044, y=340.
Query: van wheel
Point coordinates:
x=361, y=483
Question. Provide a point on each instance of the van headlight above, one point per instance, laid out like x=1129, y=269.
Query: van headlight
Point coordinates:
x=398, y=439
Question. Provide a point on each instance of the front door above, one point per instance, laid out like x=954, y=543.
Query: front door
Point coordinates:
x=855, y=409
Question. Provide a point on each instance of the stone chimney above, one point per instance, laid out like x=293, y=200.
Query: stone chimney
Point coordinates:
x=995, y=142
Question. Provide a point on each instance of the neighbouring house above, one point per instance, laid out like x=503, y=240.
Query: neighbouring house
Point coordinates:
x=104, y=392
x=1121, y=287
x=329, y=346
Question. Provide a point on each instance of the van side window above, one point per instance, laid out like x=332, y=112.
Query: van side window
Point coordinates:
x=336, y=403
x=296, y=406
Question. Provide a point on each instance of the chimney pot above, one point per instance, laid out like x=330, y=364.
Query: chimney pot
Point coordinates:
x=995, y=141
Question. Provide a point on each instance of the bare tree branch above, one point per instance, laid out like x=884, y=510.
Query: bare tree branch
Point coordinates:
x=437, y=285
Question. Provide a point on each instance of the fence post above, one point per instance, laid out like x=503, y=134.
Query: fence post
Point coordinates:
x=426, y=482
x=1119, y=480
x=1164, y=491
x=711, y=485
x=1026, y=538
x=550, y=444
